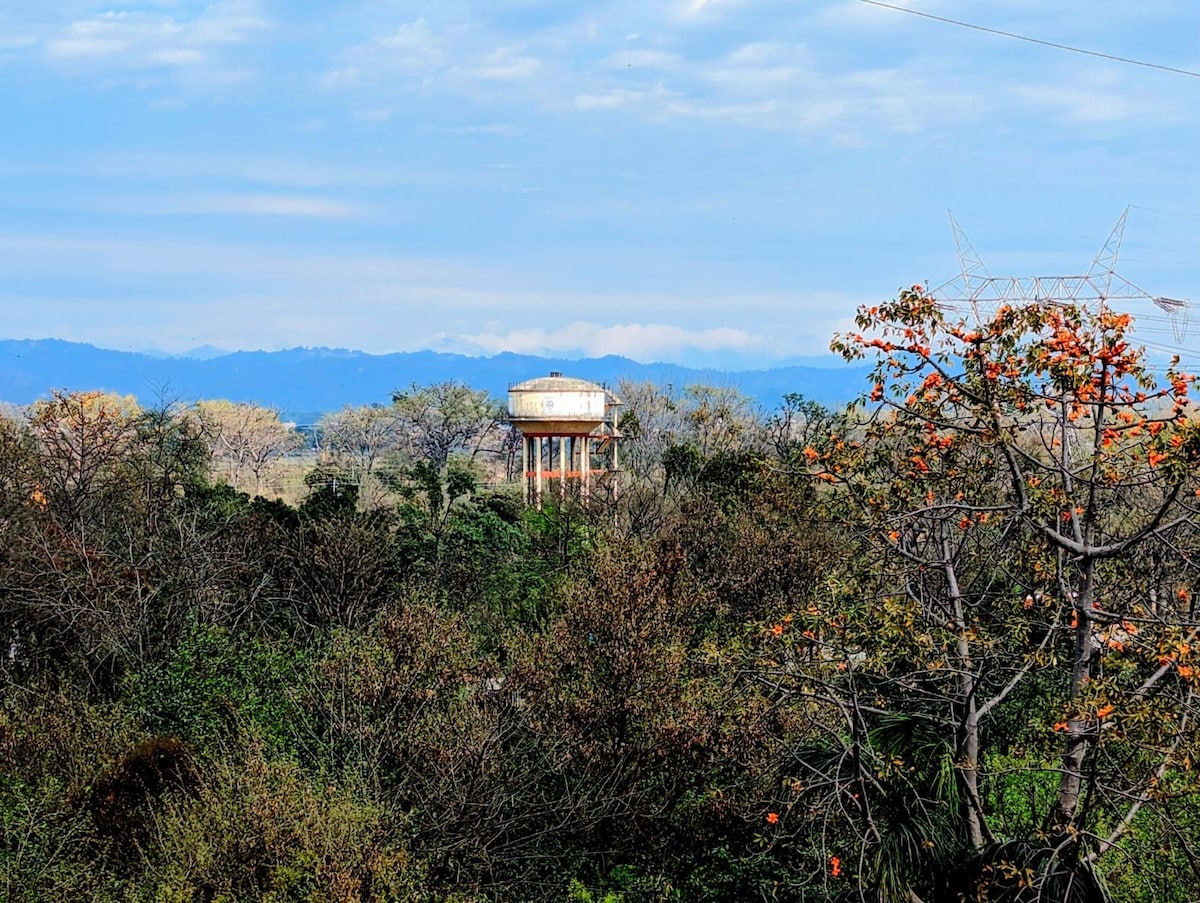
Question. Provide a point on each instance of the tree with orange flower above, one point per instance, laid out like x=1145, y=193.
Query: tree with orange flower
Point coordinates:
x=1025, y=486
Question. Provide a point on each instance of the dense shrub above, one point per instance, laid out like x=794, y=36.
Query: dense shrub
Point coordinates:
x=755, y=672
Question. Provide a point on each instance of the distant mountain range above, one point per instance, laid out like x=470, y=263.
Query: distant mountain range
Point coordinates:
x=200, y=353
x=304, y=382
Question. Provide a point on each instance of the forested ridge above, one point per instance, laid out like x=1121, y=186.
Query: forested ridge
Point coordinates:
x=936, y=646
x=304, y=380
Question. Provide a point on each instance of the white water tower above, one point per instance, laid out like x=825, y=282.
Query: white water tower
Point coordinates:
x=568, y=431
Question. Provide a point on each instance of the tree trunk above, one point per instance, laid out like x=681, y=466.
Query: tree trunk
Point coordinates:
x=968, y=744
x=1079, y=728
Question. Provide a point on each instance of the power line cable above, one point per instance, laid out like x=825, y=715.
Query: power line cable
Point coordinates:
x=1020, y=37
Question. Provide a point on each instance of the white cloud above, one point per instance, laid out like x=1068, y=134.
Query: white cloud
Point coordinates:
x=742, y=113
x=859, y=15
x=129, y=41
x=499, y=130
x=640, y=341
x=234, y=205
x=379, y=300
x=694, y=8
x=292, y=172
x=506, y=65
x=97, y=37
x=619, y=98
x=1075, y=104
x=414, y=38
x=778, y=85
x=837, y=69
x=411, y=53
x=345, y=77
x=273, y=205
x=1093, y=94
x=232, y=22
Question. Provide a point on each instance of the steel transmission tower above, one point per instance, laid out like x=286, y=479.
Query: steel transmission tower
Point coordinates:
x=979, y=291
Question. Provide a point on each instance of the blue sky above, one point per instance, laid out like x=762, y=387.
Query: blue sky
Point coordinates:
x=714, y=182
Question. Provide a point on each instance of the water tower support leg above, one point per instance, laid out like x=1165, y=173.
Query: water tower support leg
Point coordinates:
x=537, y=467
x=562, y=467
x=616, y=466
x=585, y=466
x=525, y=467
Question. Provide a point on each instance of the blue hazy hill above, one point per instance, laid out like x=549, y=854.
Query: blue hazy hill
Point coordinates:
x=305, y=381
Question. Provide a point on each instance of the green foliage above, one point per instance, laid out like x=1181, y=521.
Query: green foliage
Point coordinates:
x=734, y=477
x=331, y=494
x=785, y=662
x=261, y=829
x=216, y=686
x=46, y=849
x=681, y=465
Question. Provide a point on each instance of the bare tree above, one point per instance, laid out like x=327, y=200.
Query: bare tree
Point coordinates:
x=447, y=418
x=709, y=419
x=80, y=436
x=359, y=441
x=245, y=440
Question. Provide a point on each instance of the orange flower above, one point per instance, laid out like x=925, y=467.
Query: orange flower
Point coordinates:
x=1104, y=711
x=777, y=630
x=812, y=454
x=894, y=536
x=1156, y=457
x=772, y=818
x=835, y=866
x=1061, y=726
x=1186, y=671
x=1183, y=594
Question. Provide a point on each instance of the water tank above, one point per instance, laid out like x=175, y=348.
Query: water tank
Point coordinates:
x=557, y=405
